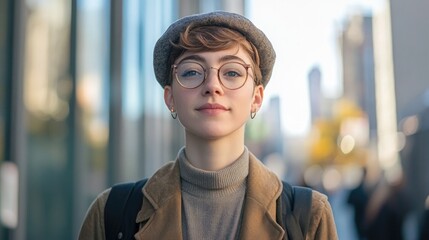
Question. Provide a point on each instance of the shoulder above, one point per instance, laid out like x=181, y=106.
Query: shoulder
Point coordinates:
x=322, y=225
x=320, y=204
x=93, y=224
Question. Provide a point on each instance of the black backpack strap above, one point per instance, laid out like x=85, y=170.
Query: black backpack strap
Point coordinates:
x=302, y=207
x=120, y=211
x=294, y=210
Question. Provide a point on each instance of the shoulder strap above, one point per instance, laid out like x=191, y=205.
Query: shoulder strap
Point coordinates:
x=302, y=207
x=121, y=210
x=293, y=211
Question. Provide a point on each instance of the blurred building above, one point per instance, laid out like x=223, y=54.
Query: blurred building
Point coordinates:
x=315, y=92
x=410, y=37
x=271, y=117
x=358, y=66
x=80, y=108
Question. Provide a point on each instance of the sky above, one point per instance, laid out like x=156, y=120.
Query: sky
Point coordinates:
x=304, y=34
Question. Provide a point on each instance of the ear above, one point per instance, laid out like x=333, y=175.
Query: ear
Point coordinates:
x=168, y=97
x=258, y=97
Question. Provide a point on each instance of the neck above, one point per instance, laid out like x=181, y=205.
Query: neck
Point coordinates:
x=213, y=155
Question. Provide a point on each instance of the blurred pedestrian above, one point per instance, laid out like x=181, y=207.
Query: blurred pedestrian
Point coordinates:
x=386, y=212
x=424, y=226
x=358, y=199
x=213, y=68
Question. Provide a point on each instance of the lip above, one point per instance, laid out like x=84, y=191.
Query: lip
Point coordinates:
x=212, y=108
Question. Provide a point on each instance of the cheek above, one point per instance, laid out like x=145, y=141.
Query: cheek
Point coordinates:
x=244, y=100
x=250, y=93
x=182, y=100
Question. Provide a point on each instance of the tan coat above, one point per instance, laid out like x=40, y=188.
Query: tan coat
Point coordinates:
x=161, y=209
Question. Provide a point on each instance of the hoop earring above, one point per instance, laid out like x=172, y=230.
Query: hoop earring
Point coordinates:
x=252, y=114
x=173, y=113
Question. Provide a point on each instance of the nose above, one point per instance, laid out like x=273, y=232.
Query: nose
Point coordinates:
x=212, y=84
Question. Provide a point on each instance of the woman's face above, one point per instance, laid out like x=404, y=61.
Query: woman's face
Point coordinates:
x=211, y=111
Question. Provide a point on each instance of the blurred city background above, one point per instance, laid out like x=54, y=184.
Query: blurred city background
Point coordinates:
x=346, y=111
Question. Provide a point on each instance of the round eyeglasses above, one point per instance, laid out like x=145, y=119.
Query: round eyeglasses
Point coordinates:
x=232, y=75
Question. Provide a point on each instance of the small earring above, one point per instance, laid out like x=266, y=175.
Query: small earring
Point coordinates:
x=173, y=113
x=252, y=114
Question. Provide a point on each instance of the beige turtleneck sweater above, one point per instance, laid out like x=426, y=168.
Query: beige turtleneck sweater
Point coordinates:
x=212, y=201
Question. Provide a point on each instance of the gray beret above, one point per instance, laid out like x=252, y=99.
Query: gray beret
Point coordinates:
x=233, y=21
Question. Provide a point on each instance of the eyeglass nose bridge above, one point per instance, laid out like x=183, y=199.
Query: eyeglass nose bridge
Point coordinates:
x=217, y=75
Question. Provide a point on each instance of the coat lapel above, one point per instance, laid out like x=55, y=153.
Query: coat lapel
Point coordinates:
x=161, y=209
x=259, y=216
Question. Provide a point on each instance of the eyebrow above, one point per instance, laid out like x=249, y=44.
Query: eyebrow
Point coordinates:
x=193, y=57
x=231, y=57
x=225, y=58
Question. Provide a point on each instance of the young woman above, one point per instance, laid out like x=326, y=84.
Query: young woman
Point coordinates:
x=213, y=68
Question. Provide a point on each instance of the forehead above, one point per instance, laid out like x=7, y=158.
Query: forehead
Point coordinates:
x=212, y=57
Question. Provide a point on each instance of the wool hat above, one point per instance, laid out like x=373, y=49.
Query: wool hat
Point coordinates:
x=233, y=21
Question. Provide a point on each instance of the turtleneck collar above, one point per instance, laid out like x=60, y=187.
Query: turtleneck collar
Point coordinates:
x=227, y=180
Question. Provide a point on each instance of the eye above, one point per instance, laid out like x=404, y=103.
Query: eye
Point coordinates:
x=233, y=70
x=190, y=73
x=232, y=74
x=190, y=70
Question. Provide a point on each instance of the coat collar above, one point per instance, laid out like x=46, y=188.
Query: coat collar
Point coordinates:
x=161, y=208
x=259, y=216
